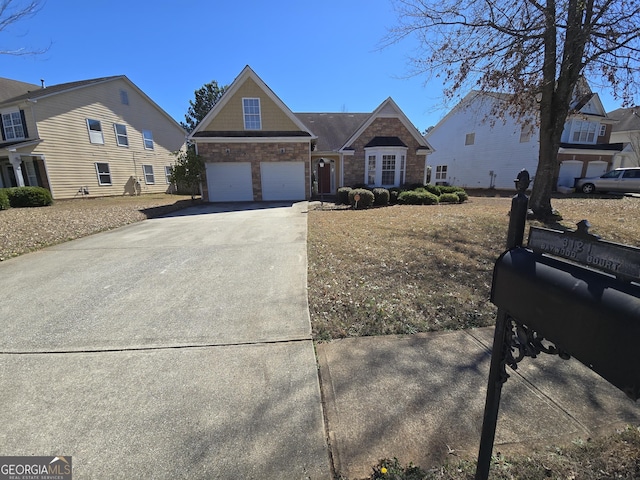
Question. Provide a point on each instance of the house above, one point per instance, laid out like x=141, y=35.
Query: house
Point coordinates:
x=627, y=132
x=475, y=149
x=97, y=137
x=256, y=149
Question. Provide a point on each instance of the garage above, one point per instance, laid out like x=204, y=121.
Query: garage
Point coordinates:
x=229, y=182
x=282, y=181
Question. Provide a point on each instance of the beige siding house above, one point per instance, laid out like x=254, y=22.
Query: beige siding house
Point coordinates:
x=256, y=149
x=96, y=137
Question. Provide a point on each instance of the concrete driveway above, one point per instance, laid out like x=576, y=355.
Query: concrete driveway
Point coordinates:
x=178, y=347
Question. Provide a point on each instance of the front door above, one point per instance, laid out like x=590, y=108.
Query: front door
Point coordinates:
x=324, y=178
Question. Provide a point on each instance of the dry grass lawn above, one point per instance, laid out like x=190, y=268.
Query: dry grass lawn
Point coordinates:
x=406, y=269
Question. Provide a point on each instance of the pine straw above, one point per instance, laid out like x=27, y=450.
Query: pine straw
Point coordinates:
x=408, y=269
x=26, y=229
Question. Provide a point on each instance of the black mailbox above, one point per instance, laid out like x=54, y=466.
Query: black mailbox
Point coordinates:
x=593, y=316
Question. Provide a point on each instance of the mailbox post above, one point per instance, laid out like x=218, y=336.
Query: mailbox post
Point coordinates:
x=567, y=293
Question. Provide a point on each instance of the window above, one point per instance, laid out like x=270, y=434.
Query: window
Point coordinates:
x=168, y=170
x=385, y=166
x=603, y=130
x=470, y=139
x=148, y=174
x=441, y=173
x=251, y=109
x=104, y=174
x=124, y=97
x=121, y=134
x=526, y=133
x=635, y=173
x=95, y=131
x=13, y=126
x=388, y=169
x=147, y=138
x=371, y=177
x=584, y=132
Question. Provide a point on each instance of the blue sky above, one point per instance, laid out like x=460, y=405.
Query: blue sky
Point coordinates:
x=317, y=56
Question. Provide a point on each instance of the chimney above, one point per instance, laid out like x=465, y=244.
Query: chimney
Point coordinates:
x=42, y=82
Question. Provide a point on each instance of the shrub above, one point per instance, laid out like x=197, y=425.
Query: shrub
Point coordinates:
x=381, y=197
x=435, y=189
x=449, y=198
x=29, y=197
x=4, y=199
x=413, y=186
x=343, y=195
x=463, y=196
x=366, y=197
x=393, y=195
x=449, y=189
x=415, y=197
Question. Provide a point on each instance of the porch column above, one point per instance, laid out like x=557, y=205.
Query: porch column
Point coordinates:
x=16, y=160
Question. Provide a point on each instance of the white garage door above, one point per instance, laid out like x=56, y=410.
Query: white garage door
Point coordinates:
x=282, y=180
x=569, y=171
x=229, y=182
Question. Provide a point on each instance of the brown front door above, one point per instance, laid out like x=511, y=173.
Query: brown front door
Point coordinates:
x=324, y=178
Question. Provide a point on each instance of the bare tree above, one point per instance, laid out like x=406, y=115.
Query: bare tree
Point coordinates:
x=537, y=50
x=12, y=12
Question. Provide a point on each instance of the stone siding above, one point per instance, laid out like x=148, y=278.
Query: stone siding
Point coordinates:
x=354, y=165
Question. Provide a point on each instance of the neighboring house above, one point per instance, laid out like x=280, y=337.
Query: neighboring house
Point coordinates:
x=96, y=137
x=627, y=132
x=475, y=149
x=256, y=149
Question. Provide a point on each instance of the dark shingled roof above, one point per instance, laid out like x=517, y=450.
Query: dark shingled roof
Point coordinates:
x=385, y=142
x=251, y=133
x=614, y=147
x=332, y=129
x=628, y=119
x=38, y=92
x=13, y=88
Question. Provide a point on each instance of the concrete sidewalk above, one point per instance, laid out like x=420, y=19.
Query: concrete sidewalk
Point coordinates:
x=421, y=399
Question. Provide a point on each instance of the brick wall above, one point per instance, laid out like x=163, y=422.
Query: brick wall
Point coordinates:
x=255, y=153
x=384, y=127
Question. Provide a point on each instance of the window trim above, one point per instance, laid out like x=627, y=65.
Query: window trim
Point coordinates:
x=400, y=165
x=168, y=171
x=145, y=139
x=603, y=130
x=99, y=174
x=12, y=127
x=119, y=136
x=579, y=130
x=246, y=116
x=441, y=173
x=93, y=136
x=149, y=178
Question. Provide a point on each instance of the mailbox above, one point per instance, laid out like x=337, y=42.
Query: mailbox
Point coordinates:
x=591, y=315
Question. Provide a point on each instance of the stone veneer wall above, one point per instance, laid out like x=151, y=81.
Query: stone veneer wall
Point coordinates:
x=384, y=127
x=255, y=153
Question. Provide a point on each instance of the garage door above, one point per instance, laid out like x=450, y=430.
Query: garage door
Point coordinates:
x=282, y=180
x=229, y=182
x=569, y=171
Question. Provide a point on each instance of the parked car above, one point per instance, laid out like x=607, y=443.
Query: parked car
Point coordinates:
x=619, y=180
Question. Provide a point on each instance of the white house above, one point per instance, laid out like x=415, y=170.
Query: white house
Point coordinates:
x=475, y=149
x=627, y=132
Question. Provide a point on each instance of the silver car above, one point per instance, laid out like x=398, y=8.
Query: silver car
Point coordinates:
x=619, y=180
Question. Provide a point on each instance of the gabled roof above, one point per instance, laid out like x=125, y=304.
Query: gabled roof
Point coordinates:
x=40, y=93
x=13, y=88
x=628, y=119
x=387, y=109
x=332, y=129
x=247, y=73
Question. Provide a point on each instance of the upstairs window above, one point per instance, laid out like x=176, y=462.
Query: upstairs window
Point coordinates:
x=13, y=125
x=470, y=139
x=124, y=97
x=584, y=132
x=121, y=134
x=95, y=131
x=603, y=131
x=526, y=132
x=251, y=111
x=147, y=138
